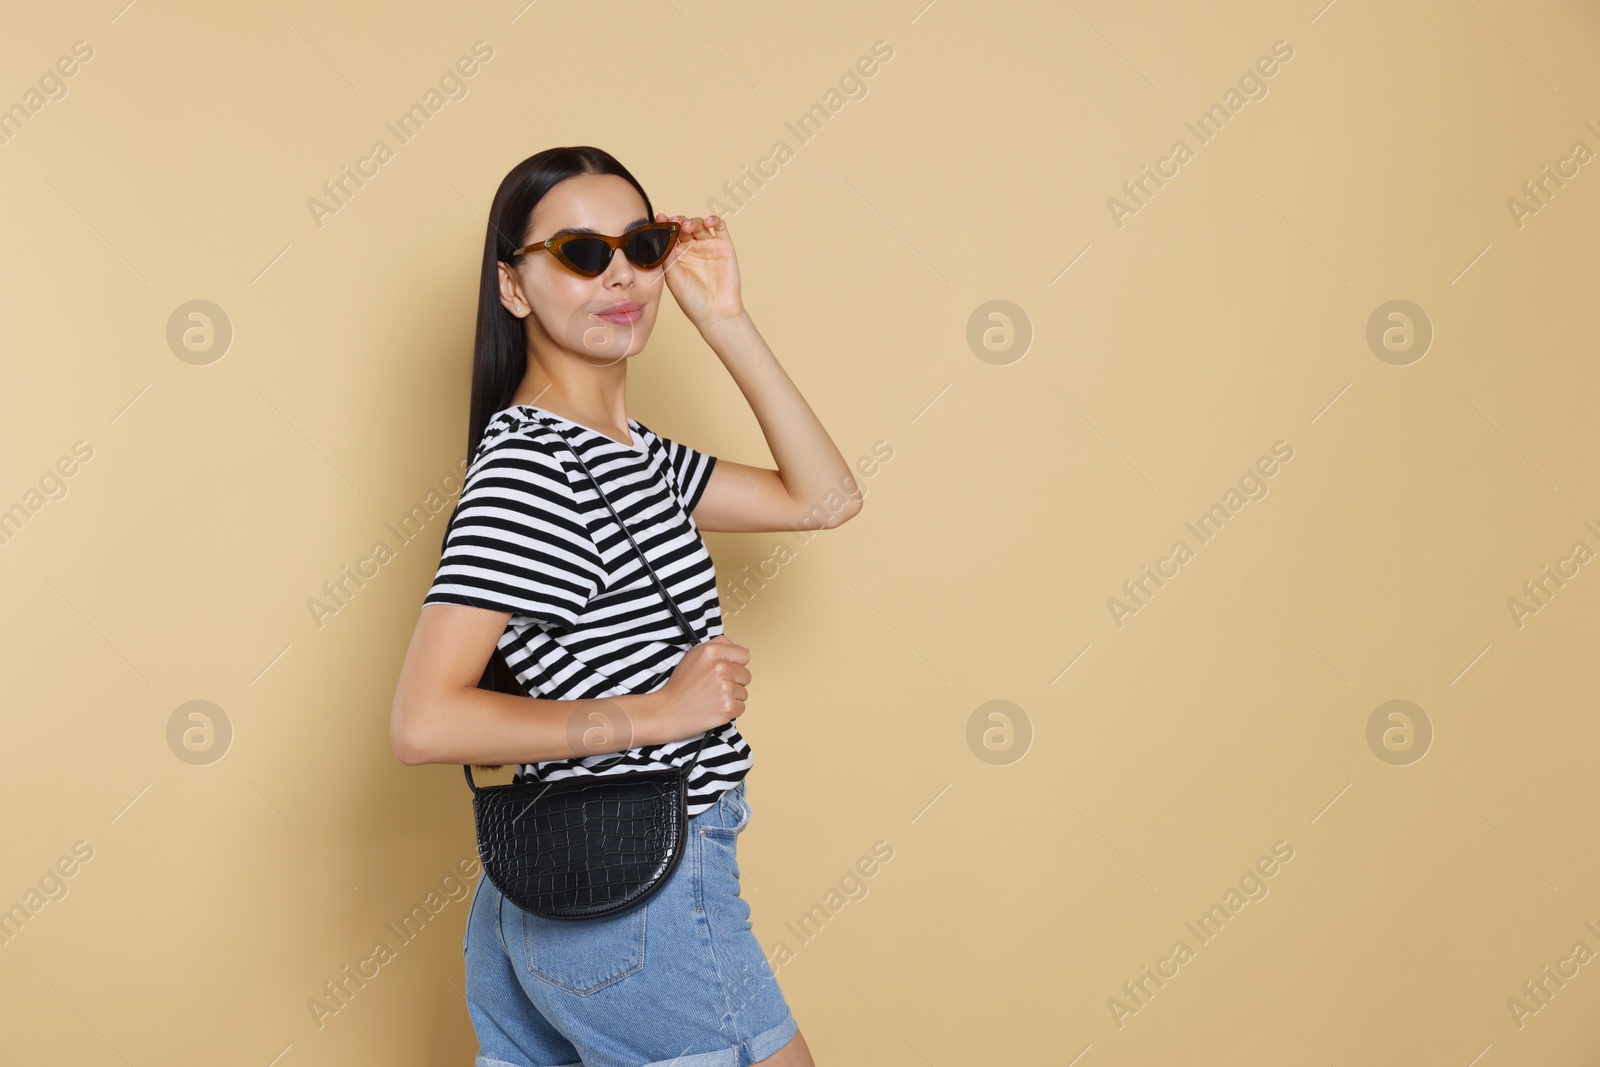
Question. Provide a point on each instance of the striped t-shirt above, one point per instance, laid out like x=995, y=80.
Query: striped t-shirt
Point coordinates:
x=531, y=537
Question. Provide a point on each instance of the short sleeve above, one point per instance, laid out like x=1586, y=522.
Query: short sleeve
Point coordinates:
x=518, y=541
x=690, y=469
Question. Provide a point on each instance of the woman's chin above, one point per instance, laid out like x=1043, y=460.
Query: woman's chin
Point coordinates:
x=607, y=340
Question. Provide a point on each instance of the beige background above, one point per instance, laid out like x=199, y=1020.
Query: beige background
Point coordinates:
x=1144, y=769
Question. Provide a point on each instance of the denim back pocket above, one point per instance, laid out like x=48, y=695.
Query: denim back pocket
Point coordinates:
x=583, y=956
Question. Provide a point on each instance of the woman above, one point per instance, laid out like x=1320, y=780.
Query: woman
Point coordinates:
x=534, y=566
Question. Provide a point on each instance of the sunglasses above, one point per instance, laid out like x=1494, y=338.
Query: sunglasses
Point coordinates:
x=589, y=254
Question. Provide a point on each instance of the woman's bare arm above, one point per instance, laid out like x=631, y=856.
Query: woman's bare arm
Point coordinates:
x=440, y=716
x=813, y=488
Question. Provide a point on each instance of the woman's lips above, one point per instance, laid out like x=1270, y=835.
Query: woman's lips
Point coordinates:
x=622, y=314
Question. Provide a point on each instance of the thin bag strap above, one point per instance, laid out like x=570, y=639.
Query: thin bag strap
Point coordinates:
x=683, y=620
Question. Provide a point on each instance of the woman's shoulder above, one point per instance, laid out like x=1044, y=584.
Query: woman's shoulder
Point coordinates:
x=516, y=443
x=516, y=430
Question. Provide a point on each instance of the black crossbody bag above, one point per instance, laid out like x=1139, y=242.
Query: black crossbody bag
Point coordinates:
x=589, y=845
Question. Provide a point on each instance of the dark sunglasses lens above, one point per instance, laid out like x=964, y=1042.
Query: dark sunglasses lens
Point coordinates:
x=649, y=246
x=587, y=254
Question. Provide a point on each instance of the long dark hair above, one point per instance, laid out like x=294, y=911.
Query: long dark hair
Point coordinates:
x=500, y=349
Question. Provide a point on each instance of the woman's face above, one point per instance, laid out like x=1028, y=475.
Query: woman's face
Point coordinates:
x=605, y=318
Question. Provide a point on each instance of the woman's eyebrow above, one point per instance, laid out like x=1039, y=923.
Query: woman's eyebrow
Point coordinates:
x=586, y=229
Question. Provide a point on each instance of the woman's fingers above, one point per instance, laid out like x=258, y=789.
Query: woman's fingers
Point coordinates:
x=696, y=228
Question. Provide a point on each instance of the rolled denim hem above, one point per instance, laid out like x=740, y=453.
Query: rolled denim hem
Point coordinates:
x=744, y=1054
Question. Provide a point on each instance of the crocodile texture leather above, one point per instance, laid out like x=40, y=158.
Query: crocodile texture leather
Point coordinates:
x=589, y=845
x=576, y=848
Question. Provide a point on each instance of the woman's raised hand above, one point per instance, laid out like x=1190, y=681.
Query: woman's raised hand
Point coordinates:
x=702, y=271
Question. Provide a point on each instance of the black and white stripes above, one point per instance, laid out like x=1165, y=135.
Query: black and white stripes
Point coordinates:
x=532, y=538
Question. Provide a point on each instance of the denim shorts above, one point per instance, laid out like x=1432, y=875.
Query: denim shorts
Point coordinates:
x=679, y=979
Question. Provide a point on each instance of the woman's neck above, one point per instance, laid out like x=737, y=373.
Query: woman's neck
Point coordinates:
x=601, y=404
